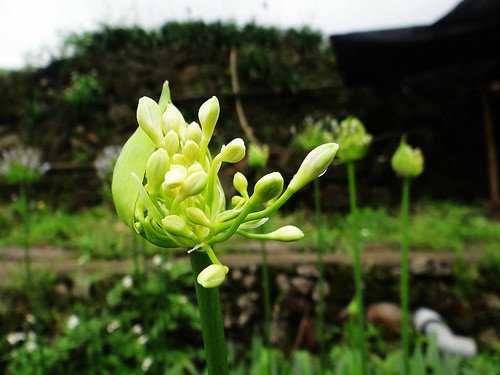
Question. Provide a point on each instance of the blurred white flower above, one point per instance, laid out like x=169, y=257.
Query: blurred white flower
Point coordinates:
x=137, y=329
x=31, y=346
x=112, y=326
x=31, y=335
x=143, y=339
x=22, y=164
x=146, y=364
x=167, y=266
x=365, y=232
x=73, y=322
x=30, y=318
x=127, y=282
x=106, y=161
x=183, y=300
x=14, y=337
x=157, y=260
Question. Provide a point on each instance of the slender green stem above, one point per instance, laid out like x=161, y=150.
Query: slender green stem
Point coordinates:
x=25, y=217
x=358, y=276
x=405, y=311
x=320, y=323
x=267, y=299
x=211, y=319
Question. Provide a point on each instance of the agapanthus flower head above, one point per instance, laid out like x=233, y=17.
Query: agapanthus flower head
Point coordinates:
x=166, y=185
x=22, y=165
x=407, y=162
x=352, y=138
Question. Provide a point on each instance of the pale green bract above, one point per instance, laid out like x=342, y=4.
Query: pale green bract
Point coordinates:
x=166, y=185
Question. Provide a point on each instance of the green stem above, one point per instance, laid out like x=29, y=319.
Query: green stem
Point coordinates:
x=321, y=276
x=358, y=276
x=25, y=217
x=267, y=299
x=405, y=311
x=211, y=319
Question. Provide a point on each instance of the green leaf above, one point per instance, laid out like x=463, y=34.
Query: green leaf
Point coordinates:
x=132, y=159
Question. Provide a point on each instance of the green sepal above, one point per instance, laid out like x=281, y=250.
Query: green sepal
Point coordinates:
x=132, y=159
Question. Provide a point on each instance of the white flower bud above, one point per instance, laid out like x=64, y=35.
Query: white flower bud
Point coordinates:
x=171, y=142
x=286, y=234
x=149, y=119
x=173, y=179
x=314, y=165
x=158, y=164
x=180, y=159
x=208, y=115
x=212, y=276
x=233, y=152
x=192, y=185
x=193, y=132
x=191, y=151
x=172, y=120
x=197, y=216
x=268, y=187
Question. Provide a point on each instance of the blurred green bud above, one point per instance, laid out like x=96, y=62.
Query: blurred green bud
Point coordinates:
x=286, y=234
x=352, y=139
x=407, y=162
x=258, y=156
x=208, y=116
x=212, y=276
x=158, y=164
x=314, y=165
x=233, y=152
x=149, y=119
x=268, y=187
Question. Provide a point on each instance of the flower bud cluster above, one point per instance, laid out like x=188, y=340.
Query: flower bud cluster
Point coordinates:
x=407, y=162
x=352, y=138
x=166, y=185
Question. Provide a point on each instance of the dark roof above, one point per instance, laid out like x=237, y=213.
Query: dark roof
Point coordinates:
x=469, y=34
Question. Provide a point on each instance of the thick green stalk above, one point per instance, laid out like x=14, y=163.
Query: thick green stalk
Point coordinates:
x=321, y=276
x=211, y=319
x=358, y=276
x=405, y=311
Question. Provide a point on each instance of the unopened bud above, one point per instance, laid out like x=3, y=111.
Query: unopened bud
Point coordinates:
x=173, y=120
x=174, y=224
x=197, y=216
x=268, y=187
x=172, y=142
x=286, y=234
x=240, y=183
x=157, y=166
x=212, y=276
x=233, y=152
x=208, y=115
x=408, y=162
x=164, y=97
x=191, y=151
x=353, y=139
x=149, y=119
x=314, y=165
x=193, y=132
x=173, y=179
x=192, y=185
